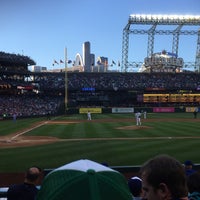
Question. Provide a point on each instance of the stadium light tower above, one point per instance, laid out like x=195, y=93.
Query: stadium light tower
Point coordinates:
x=154, y=21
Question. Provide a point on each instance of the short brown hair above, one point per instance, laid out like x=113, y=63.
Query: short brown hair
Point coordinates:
x=168, y=170
x=33, y=173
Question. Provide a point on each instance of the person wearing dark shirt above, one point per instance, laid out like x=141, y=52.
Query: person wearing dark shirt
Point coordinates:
x=193, y=182
x=135, y=186
x=28, y=189
x=189, y=167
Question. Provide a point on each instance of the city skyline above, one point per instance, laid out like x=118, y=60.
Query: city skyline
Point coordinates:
x=43, y=29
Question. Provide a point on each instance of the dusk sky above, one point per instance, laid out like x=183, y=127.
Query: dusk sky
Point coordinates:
x=42, y=29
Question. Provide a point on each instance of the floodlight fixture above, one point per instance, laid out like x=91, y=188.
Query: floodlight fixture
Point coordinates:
x=164, y=19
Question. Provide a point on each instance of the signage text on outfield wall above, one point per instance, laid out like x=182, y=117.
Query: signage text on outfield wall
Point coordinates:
x=91, y=110
x=122, y=110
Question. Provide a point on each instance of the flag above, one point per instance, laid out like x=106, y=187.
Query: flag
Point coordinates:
x=61, y=61
x=113, y=62
x=69, y=61
x=98, y=62
x=118, y=63
x=56, y=62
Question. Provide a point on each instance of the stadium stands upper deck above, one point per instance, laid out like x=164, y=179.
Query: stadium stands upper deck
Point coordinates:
x=14, y=62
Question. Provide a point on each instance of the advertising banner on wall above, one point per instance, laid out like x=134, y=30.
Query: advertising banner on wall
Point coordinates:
x=122, y=110
x=163, y=109
x=192, y=109
x=91, y=110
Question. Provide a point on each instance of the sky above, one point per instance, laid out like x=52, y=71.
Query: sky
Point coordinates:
x=42, y=29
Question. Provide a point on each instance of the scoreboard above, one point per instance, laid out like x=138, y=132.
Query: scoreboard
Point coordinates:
x=176, y=98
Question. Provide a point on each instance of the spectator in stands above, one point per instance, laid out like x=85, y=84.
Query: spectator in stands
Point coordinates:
x=163, y=178
x=193, y=182
x=189, y=167
x=135, y=186
x=28, y=189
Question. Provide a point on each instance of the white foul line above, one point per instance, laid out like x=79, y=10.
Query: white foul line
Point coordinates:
x=30, y=129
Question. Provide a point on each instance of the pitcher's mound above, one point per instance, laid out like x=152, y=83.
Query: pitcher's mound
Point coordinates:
x=134, y=127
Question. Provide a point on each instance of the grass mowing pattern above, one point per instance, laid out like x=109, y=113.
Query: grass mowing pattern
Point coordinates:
x=9, y=126
x=134, y=149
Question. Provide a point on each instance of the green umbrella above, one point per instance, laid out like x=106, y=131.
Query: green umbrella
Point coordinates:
x=86, y=180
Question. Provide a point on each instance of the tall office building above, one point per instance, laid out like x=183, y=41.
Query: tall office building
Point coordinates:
x=92, y=59
x=86, y=57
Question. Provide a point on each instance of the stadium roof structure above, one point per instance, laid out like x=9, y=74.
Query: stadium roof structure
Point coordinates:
x=154, y=21
x=8, y=59
x=164, y=19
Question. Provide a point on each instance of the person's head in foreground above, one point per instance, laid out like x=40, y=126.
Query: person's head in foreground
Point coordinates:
x=32, y=175
x=135, y=186
x=163, y=178
x=84, y=179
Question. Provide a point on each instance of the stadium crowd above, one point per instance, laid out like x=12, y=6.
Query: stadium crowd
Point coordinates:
x=45, y=92
x=108, y=81
x=122, y=81
x=26, y=105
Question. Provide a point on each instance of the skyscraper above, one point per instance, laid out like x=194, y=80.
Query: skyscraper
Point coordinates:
x=86, y=57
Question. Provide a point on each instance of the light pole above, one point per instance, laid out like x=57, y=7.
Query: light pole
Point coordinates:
x=66, y=82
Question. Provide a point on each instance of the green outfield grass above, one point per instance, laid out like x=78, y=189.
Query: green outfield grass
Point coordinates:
x=117, y=147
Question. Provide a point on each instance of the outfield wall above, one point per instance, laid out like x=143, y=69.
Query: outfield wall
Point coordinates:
x=116, y=110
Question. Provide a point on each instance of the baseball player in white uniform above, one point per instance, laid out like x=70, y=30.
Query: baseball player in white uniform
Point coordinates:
x=89, y=115
x=138, y=118
x=145, y=114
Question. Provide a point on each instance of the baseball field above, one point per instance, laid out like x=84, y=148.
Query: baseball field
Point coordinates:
x=111, y=138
